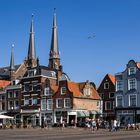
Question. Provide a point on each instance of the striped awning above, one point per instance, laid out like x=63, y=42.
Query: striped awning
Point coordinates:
x=93, y=112
x=80, y=114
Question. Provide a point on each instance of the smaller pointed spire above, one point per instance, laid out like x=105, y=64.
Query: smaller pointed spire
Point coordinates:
x=31, y=49
x=12, y=65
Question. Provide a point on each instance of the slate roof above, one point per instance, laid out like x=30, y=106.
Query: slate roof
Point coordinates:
x=5, y=73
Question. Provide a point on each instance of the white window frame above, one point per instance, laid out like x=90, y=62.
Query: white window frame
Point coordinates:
x=117, y=101
x=16, y=107
x=105, y=85
x=34, y=98
x=57, y=103
x=10, y=94
x=65, y=106
x=26, y=100
x=129, y=88
x=119, y=89
x=43, y=104
x=62, y=93
x=32, y=70
x=130, y=72
x=17, y=94
x=130, y=101
x=10, y=106
x=47, y=91
x=49, y=103
x=87, y=91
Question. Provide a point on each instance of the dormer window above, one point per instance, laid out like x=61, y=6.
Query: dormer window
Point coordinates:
x=87, y=91
x=31, y=72
x=131, y=70
x=63, y=90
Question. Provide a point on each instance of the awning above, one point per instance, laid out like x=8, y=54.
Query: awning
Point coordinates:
x=5, y=117
x=86, y=113
x=80, y=114
x=93, y=112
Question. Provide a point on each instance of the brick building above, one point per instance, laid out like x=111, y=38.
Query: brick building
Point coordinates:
x=34, y=92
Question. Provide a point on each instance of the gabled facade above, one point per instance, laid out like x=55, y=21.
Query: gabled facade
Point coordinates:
x=3, y=105
x=106, y=91
x=75, y=101
x=127, y=93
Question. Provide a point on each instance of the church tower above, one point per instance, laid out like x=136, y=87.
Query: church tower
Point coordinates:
x=31, y=58
x=54, y=59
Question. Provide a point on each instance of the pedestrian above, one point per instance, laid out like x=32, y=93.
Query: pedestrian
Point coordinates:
x=63, y=124
x=93, y=125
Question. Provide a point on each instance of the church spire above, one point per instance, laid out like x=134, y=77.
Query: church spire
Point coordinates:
x=12, y=64
x=31, y=58
x=54, y=60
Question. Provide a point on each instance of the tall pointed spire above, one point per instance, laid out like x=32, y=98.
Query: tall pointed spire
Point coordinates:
x=31, y=58
x=54, y=60
x=31, y=49
x=12, y=65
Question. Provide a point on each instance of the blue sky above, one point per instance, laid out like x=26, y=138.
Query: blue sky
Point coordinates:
x=116, y=24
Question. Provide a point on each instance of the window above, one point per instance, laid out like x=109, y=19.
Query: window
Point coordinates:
x=43, y=104
x=108, y=105
x=119, y=85
x=119, y=101
x=16, y=104
x=10, y=94
x=2, y=97
x=131, y=70
x=16, y=93
x=59, y=103
x=63, y=90
x=27, y=87
x=98, y=103
x=132, y=84
x=34, y=101
x=106, y=85
x=132, y=100
x=47, y=91
x=10, y=105
x=111, y=95
x=87, y=91
x=31, y=72
x=34, y=86
x=26, y=100
x=3, y=107
x=67, y=103
x=49, y=104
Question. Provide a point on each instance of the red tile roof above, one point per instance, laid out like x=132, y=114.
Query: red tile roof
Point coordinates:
x=75, y=89
x=138, y=64
x=112, y=78
x=54, y=88
x=4, y=83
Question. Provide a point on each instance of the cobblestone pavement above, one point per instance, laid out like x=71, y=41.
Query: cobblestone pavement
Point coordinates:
x=67, y=134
